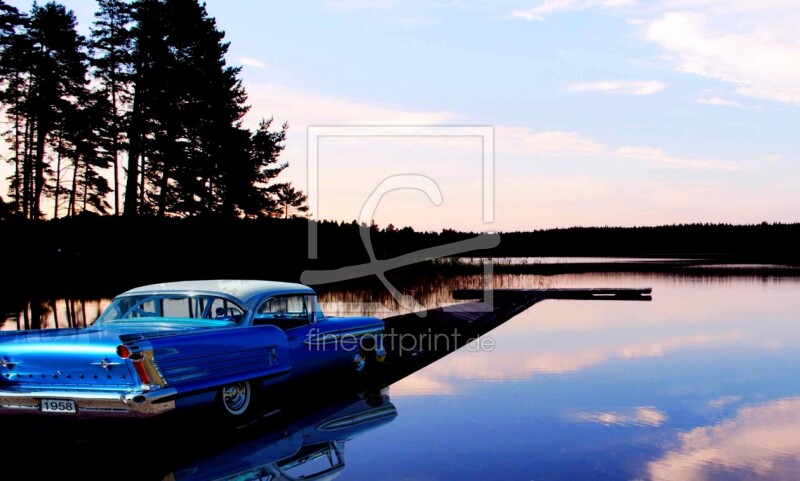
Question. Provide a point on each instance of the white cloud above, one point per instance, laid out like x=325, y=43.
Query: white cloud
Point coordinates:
x=360, y=4
x=754, y=45
x=718, y=101
x=619, y=87
x=658, y=156
x=251, y=62
x=306, y=107
x=762, y=60
x=548, y=7
x=522, y=140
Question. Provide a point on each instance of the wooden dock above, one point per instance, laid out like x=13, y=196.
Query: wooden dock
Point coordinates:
x=413, y=342
x=605, y=294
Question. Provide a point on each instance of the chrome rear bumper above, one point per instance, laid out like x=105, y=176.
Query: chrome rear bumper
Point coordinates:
x=92, y=403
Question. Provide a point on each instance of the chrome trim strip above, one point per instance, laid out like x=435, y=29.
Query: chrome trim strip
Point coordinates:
x=151, y=368
x=142, y=352
x=137, y=403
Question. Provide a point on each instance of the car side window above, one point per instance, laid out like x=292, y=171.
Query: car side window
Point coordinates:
x=284, y=307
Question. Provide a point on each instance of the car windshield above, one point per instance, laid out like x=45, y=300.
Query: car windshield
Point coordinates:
x=172, y=306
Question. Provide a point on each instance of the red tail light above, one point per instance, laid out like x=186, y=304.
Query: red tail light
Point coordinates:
x=141, y=371
x=123, y=351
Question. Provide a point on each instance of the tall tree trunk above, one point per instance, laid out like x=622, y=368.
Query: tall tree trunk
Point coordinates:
x=85, y=185
x=17, y=162
x=38, y=186
x=36, y=314
x=67, y=309
x=54, y=307
x=163, y=184
x=26, y=170
x=71, y=208
x=116, y=179
x=142, y=183
x=17, y=165
x=134, y=151
x=74, y=313
x=58, y=183
x=26, y=316
x=115, y=146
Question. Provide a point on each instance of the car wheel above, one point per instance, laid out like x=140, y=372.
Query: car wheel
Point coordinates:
x=359, y=361
x=236, y=398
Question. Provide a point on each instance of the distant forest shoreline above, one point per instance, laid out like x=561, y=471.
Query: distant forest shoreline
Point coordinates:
x=89, y=252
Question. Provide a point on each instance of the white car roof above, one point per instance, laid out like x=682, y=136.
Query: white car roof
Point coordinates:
x=239, y=288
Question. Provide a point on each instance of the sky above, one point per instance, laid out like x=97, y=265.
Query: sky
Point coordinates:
x=601, y=112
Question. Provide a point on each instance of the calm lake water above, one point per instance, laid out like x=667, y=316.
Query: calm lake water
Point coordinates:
x=701, y=383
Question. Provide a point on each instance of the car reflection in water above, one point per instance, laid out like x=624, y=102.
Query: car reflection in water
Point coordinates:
x=302, y=438
x=311, y=447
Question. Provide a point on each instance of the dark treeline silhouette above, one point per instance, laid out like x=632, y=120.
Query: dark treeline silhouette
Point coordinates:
x=148, y=95
x=110, y=253
x=755, y=241
x=104, y=254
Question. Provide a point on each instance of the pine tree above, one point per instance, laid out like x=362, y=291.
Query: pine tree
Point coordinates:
x=13, y=51
x=56, y=77
x=257, y=199
x=211, y=106
x=10, y=20
x=163, y=92
x=196, y=156
x=89, y=189
x=149, y=69
x=111, y=44
x=290, y=198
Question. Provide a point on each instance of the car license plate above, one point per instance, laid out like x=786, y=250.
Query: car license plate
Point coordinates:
x=58, y=406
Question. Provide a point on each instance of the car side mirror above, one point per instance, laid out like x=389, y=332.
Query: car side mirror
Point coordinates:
x=312, y=317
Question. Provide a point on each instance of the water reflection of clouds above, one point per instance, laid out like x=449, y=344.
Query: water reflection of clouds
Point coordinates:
x=723, y=401
x=659, y=348
x=566, y=337
x=637, y=416
x=562, y=337
x=421, y=385
x=760, y=442
x=508, y=363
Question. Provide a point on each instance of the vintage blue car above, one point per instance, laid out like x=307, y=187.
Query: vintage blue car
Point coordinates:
x=163, y=347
